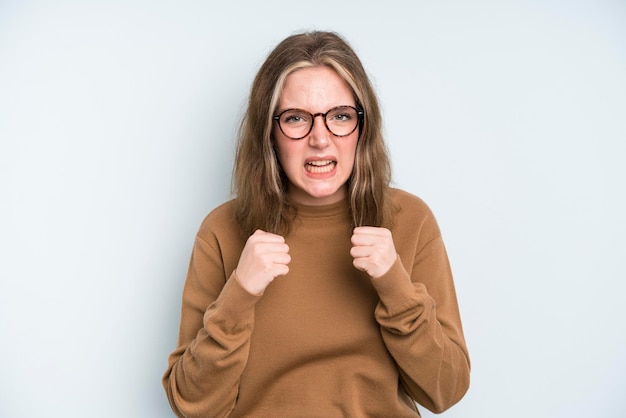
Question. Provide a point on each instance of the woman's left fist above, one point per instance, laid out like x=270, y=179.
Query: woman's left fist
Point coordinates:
x=373, y=250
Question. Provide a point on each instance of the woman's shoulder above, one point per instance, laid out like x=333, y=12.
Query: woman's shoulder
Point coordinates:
x=221, y=212
x=406, y=201
x=411, y=212
x=219, y=221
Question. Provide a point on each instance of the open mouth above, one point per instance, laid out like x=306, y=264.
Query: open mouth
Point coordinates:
x=321, y=166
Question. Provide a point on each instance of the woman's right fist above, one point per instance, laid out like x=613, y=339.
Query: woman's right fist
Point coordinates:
x=264, y=257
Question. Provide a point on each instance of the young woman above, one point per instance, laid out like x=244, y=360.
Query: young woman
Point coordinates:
x=318, y=291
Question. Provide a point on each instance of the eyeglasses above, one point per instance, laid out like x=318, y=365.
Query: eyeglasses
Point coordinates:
x=340, y=121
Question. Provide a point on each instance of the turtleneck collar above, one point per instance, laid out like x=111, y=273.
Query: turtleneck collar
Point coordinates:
x=322, y=211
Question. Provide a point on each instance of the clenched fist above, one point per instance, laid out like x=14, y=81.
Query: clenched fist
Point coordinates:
x=373, y=250
x=264, y=257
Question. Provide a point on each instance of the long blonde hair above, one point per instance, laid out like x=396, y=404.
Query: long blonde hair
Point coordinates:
x=259, y=183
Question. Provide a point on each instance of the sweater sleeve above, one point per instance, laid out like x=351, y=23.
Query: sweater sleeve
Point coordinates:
x=217, y=318
x=421, y=326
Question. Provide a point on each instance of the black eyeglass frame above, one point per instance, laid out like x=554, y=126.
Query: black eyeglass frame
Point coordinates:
x=359, y=113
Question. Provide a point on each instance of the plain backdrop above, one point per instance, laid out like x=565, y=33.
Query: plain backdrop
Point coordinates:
x=117, y=128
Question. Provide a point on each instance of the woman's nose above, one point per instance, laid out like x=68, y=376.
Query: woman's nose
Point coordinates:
x=319, y=136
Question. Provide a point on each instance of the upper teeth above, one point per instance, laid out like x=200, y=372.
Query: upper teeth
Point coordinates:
x=320, y=162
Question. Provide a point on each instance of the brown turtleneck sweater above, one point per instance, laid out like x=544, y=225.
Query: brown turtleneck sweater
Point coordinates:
x=325, y=340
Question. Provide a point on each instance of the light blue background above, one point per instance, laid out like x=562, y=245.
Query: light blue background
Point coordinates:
x=117, y=125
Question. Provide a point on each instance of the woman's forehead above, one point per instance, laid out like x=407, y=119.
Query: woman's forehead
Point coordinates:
x=315, y=89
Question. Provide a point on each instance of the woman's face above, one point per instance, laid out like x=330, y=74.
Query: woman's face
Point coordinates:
x=318, y=165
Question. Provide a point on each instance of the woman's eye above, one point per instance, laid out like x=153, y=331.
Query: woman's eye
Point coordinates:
x=294, y=118
x=341, y=117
